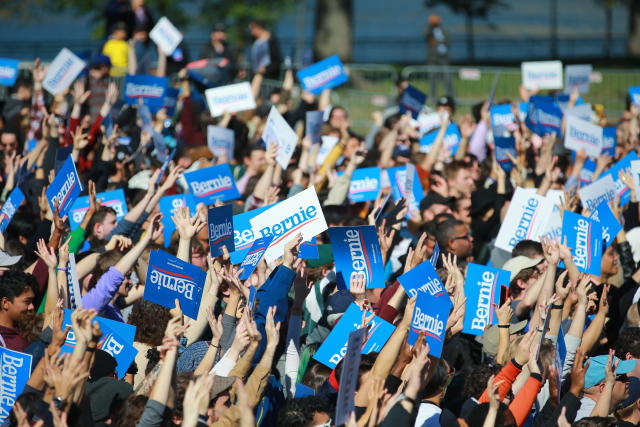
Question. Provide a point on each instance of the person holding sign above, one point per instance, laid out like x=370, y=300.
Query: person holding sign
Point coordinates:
x=108, y=281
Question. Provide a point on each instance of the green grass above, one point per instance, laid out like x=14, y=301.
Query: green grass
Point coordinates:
x=367, y=88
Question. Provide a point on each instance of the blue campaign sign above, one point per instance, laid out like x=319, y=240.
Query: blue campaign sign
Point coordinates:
x=322, y=75
x=8, y=71
x=220, y=223
x=451, y=139
x=634, y=95
x=430, y=318
x=422, y=278
x=544, y=116
x=608, y=221
x=313, y=126
x=251, y=301
x=16, y=370
x=624, y=164
x=412, y=100
x=397, y=178
x=356, y=252
x=10, y=207
x=504, y=147
x=435, y=255
x=609, y=140
x=114, y=199
x=309, y=249
x=482, y=290
x=168, y=206
x=365, y=184
x=243, y=234
x=584, y=237
x=117, y=340
x=169, y=278
x=502, y=120
x=334, y=347
x=257, y=250
x=211, y=184
x=169, y=103
x=150, y=89
x=432, y=306
x=523, y=108
x=65, y=188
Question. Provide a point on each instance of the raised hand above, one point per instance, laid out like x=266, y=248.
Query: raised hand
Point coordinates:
x=357, y=286
x=187, y=226
x=121, y=243
x=272, y=328
x=46, y=254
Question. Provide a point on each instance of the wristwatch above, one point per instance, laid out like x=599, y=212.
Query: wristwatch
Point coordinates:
x=58, y=402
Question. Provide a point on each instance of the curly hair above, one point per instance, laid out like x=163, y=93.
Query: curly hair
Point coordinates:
x=475, y=382
x=300, y=412
x=150, y=320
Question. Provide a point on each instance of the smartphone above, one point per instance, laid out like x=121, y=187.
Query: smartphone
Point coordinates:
x=504, y=294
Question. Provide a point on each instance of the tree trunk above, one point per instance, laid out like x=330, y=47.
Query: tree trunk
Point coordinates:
x=471, y=53
x=608, y=8
x=553, y=28
x=334, y=30
x=633, y=46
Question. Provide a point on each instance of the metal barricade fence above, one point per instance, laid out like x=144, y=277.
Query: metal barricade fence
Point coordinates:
x=371, y=87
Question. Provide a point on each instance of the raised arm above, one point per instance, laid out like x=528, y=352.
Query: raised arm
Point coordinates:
x=187, y=226
x=388, y=354
x=432, y=156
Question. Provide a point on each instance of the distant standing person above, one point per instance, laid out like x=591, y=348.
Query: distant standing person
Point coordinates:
x=218, y=49
x=438, y=56
x=265, y=52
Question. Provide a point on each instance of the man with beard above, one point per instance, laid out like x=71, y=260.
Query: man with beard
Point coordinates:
x=16, y=307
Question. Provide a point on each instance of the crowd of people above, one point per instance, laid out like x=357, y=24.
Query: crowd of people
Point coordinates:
x=564, y=348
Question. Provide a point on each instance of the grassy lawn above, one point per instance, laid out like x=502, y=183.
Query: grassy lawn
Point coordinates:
x=369, y=91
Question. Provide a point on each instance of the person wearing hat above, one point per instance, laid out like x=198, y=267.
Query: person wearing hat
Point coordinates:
x=525, y=284
x=434, y=204
x=604, y=388
x=104, y=389
x=628, y=411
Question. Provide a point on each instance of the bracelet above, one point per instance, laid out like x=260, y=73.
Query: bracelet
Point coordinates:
x=503, y=326
x=557, y=306
x=62, y=269
x=91, y=349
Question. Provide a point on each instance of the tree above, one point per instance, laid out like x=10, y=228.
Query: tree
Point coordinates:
x=471, y=9
x=181, y=12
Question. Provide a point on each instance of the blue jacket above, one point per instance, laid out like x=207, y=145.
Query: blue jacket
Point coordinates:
x=274, y=292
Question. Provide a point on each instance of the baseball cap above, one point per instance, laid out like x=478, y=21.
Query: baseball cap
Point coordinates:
x=434, y=198
x=446, y=101
x=220, y=27
x=595, y=372
x=634, y=393
x=99, y=60
x=491, y=336
x=7, y=260
x=517, y=264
